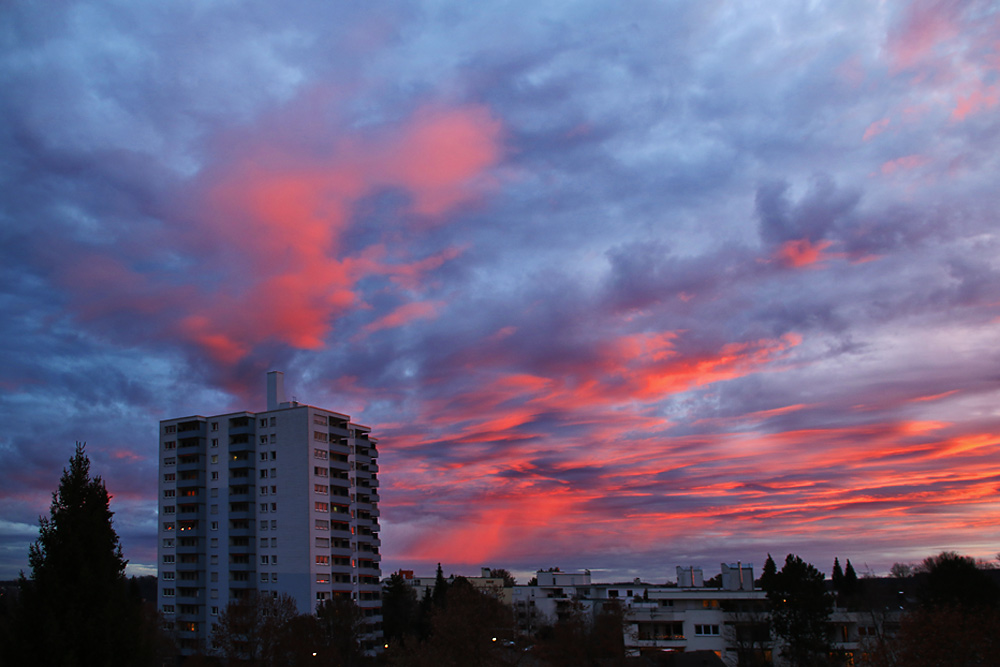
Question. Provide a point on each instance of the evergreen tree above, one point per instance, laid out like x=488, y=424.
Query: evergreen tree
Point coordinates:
x=399, y=609
x=767, y=576
x=838, y=575
x=800, y=608
x=440, y=594
x=78, y=609
x=850, y=579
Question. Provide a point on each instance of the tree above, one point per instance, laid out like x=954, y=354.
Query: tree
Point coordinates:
x=342, y=627
x=440, y=594
x=508, y=578
x=768, y=574
x=251, y=629
x=901, y=570
x=800, y=608
x=471, y=628
x=78, y=609
x=837, y=577
x=399, y=609
x=951, y=580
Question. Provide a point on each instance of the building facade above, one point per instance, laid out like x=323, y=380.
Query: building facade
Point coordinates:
x=283, y=501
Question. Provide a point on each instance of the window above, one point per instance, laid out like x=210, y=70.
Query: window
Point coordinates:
x=264, y=578
x=274, y=472
x=322, y=578
x=215, y=492
x=263, y=423
x=168, y=576
x=171, y=428
x=168, y=509
x=274, y=524
x=706, y=630
x=263, y=525
x=168, y=525
x=263, y=507
x=215, y=426
x=169, y=477
x=263, y=474
x=321, y=454
x=168, y=592
x=320, y=436
x=322, y=489
x=215, y=443
x=274, y=507
x=168, y=543
x=264, y=560
x=274, y=577
x=263, y=541
x=321, y=472
x=214, y=543
x=215, y=475
x=322, y=524
x=322, y=507
x=168, y=558
x=274, y=421
x=274, y=439
x=214, y=509
x=169, y=493
x=274, y=490
x=263, y=490
x=263, y=456
x=170, y=460
x=168, y=608
x=323, y=542
x=322, y=560
x=215, y=611
x=274, y=542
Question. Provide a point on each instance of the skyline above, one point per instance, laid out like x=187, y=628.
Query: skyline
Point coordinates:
x=615, y=287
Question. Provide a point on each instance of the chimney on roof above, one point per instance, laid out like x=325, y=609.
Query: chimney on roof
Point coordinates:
x=275, y=389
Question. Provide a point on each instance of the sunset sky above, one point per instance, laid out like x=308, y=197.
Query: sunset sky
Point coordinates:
x=618, y=285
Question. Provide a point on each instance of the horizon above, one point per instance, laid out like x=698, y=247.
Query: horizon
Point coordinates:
x=615, y=287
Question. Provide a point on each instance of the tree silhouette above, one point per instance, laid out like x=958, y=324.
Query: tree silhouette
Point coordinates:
x=800, y=608
x=77, y=608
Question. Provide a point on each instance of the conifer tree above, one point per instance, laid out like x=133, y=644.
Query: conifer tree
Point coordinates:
x=838, y=575
x=78, y=609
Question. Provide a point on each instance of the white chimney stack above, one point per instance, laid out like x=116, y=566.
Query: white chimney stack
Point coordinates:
x=275, y=389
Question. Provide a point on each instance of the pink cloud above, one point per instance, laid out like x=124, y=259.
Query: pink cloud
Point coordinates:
x=875, y=129
x=270, y=225
x=977, y=101
x=803, y=252
x=404, y=315
x=906, y=162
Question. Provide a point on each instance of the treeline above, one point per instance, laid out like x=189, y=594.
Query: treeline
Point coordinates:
x=458, y=624
x=946, y=613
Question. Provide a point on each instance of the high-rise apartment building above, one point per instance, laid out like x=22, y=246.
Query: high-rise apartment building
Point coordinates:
x=280, y=501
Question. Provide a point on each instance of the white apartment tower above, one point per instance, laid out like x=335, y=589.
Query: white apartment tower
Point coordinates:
x=280, y=501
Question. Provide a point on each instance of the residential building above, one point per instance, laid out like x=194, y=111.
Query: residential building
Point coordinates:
x=272, y=502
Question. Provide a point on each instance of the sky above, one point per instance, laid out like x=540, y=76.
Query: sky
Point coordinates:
x=618, y=286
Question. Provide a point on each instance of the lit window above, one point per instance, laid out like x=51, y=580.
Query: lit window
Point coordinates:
x=321, y=489
x=321, y=472
x=322, y=560
x=169, y=525
x=322, y=507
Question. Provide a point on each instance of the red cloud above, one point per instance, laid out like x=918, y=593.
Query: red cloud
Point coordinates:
x=875, y=129
x=264, y=259
x=803, y=252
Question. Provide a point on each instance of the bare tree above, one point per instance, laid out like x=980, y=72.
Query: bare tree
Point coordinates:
x=250, y=630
